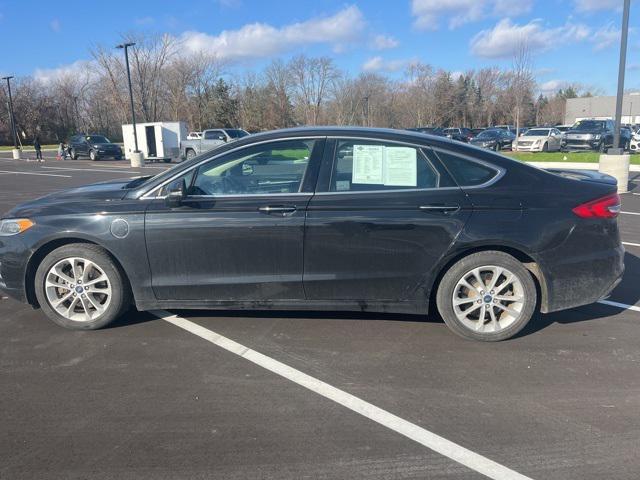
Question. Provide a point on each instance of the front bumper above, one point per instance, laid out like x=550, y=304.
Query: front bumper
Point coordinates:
x=527, y=148
x=572, y=144
x=14, y=257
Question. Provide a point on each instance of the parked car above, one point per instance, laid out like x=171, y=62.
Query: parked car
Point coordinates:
x=538, y=140
x=194, y=135
x=96, y=147
x=452, y=133
x=460, y=134
x=209, y=139
x=494, y=139
x=323, y=218
x=589, y=135
x=634, y=143
x=508, y=128
x=477, y=131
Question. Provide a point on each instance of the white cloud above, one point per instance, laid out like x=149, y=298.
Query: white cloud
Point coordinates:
x=55, y=25
x=384, y=42
x=378, y=64
x=80, y=68
x=142, y=21
x=606, y=37
x=505, y=38
x=552, y=86
x=427, y=13
x=595, y=5
x=259, y=40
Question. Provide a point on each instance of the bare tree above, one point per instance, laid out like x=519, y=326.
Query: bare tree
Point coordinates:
x=522, y=82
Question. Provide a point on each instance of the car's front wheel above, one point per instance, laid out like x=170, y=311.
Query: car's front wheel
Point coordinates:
x=488, y=296
x=79, y=286
x=93, y=155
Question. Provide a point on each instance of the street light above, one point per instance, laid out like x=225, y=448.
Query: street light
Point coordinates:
x=12, y=119
x=136, y=152
x=621, y=68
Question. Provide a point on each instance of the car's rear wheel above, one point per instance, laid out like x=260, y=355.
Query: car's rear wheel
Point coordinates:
x=488, y=296
x=93, y=155
x=190, y=154
x=545, y=147
x=80, y=287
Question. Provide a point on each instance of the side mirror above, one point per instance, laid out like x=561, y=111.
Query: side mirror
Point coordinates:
x=176, y=194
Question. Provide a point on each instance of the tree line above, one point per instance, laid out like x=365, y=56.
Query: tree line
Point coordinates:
x=171, y=84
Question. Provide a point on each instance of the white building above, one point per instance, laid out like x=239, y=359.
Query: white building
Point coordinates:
x=603, y=108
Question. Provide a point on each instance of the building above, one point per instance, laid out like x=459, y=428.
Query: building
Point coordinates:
x=602, y=108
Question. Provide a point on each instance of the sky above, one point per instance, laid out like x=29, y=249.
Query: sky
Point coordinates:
x=570, y=40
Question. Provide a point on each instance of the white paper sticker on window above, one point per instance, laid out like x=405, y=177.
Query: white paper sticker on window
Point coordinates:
x=368, y=164
x=400, y=168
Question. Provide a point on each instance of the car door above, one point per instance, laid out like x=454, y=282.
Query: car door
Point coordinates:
x=238, y=233
x=383, y=215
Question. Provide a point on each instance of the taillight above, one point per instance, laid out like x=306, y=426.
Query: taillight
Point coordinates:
x=605, y=207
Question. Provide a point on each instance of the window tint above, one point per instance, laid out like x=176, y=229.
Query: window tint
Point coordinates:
x=466, y=172
x=214, y=135
x=363, y=165
x=276, y=167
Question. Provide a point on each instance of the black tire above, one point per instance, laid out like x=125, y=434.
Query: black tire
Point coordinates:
x=545, y=147
x=73, y=154
x=190, y=153
x=120, y=294
x=457, y=271
x=166, y=160
x=93, y=156
x=496, y=147
x=602, y=147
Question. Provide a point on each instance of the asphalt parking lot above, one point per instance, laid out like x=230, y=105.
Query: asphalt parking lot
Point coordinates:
x=171, y=398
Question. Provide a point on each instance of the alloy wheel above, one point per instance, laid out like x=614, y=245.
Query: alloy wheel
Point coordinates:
x=488, y=299
x=78, y=289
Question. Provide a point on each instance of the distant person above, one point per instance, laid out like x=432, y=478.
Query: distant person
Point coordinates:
x=62, y=152
x=38, y=149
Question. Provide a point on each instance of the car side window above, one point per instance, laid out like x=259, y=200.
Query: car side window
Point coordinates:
x=466, y=173
x=365, y=165
x=214, y=135
x=277, y=167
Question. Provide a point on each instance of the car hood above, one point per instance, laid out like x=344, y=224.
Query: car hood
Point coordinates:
x=95, y=192
x=586, y=131
x=483, y=140
x=531, y=138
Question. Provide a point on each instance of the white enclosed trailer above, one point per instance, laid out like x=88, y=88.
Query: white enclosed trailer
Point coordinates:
x=156, y=140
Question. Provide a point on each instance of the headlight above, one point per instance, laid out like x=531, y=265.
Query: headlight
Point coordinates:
x=597, y=137
x=13, y=226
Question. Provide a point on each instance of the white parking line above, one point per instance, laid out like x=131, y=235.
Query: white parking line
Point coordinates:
x=630, y=213
x=620, y=305
x=631, y=244
x=441, y=445
x=35, y=173
x=92, y=170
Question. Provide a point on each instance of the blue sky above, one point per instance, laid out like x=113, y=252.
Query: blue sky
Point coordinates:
x=571, y=40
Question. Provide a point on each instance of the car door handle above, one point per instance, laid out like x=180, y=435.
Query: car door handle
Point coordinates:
x=283, y=210
x=439, y=208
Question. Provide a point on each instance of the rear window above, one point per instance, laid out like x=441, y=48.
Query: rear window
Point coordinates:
x=466, y=173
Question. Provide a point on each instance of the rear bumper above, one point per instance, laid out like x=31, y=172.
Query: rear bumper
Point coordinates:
x=573, y=281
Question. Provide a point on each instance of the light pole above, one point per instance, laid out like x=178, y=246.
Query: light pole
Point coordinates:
x=616, y=163
x=136, y=157
x=12, y=118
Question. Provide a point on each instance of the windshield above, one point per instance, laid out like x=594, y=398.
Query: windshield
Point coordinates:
x=236, y=133
x=539, y=132
x=488, y=134
x=588, y=125
x=97, y=139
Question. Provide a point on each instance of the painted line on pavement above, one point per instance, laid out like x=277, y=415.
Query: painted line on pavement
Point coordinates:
x=619, y=305
x=92, y=170
x=631, y=244
x=35, y=173
x=441, y=445
x=630, y=213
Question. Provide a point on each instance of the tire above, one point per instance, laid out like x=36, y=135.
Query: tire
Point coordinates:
x=602, y=147
x=73, y=154
x=93, y=156
x=190, y=154
x=502, y=319
x=166, y=160
x=81, y=309
x=545, y=147
x=496, y=147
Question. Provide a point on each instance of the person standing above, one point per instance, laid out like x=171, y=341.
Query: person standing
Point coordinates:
x=38, y=149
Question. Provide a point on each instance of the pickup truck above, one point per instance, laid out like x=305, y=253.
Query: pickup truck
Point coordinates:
x=209, y=140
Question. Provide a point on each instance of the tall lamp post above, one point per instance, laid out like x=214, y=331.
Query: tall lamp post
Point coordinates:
x=136, y=155
x=616, y=163
x=12, y=119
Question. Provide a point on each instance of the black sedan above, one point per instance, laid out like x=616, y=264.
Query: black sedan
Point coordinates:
x=327, y=219
x=494, y=139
